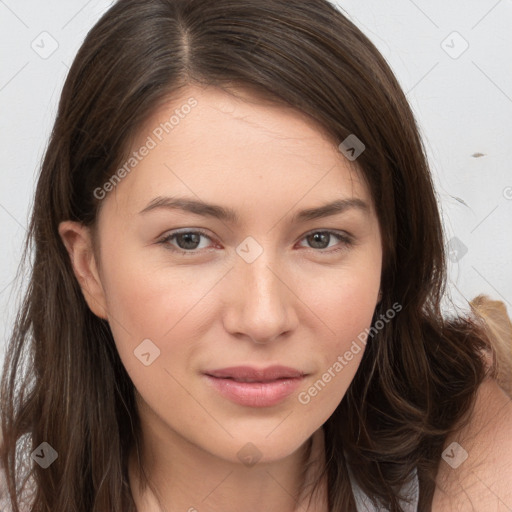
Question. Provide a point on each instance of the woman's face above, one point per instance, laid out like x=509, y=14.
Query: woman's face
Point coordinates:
x=258, y=279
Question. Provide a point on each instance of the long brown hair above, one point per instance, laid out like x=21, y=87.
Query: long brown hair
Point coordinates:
x=63, y=382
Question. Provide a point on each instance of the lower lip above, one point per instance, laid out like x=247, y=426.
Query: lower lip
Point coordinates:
x=255, y=394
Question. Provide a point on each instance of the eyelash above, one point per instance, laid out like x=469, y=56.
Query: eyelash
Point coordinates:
x=347, y=241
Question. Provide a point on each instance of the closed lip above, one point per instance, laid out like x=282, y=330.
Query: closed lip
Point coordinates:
x=251, y=374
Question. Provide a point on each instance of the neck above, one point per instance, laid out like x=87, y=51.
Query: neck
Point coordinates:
x=181, y=476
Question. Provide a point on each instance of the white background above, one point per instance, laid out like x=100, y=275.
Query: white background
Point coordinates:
x=463, y=106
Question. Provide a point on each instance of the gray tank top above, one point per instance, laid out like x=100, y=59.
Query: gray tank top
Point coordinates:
x=364, y=504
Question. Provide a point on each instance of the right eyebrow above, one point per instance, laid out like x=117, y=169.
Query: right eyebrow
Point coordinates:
x=193, y=206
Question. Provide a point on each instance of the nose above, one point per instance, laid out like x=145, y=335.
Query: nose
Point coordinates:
x=259, y=302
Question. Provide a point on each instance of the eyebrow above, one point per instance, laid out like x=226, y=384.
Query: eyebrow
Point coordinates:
x=229, y=215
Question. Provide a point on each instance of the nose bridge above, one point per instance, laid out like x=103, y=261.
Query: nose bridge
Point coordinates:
x=262, y=287
x=261, y=280
x=262, y=304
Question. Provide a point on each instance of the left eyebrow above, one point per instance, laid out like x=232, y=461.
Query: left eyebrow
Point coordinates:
x=333, y=208
x=205, y=209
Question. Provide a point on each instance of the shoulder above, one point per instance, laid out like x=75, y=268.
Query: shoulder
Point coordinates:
x=475, y=472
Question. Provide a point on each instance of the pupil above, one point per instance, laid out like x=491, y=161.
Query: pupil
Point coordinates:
x=322, y=238
x=187, y=237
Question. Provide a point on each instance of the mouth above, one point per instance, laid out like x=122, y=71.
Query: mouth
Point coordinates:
x=254, y=387
x=259, y=381
x=250, y=374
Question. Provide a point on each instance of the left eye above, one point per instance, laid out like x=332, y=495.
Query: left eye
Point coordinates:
x=319, y=238
x=188, y=242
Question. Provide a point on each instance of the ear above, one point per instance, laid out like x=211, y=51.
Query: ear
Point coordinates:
x=77, y=239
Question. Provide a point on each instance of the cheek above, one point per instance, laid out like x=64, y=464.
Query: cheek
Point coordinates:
x=165, y=305
x=345, y=301
x=148, y=300
x=345, y=309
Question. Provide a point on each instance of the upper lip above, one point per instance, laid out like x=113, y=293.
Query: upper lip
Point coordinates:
x=250, y=374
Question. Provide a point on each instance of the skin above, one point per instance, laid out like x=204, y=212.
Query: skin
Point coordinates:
x=291, y=306
x=484, y=480
x=298, y=304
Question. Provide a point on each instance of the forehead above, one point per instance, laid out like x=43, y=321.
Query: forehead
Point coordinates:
x=240, y=147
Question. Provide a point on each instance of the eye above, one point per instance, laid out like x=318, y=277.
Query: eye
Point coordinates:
x=321, y=240
x=187, y=241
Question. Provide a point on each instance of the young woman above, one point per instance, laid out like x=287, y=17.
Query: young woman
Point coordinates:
x=235, y=292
